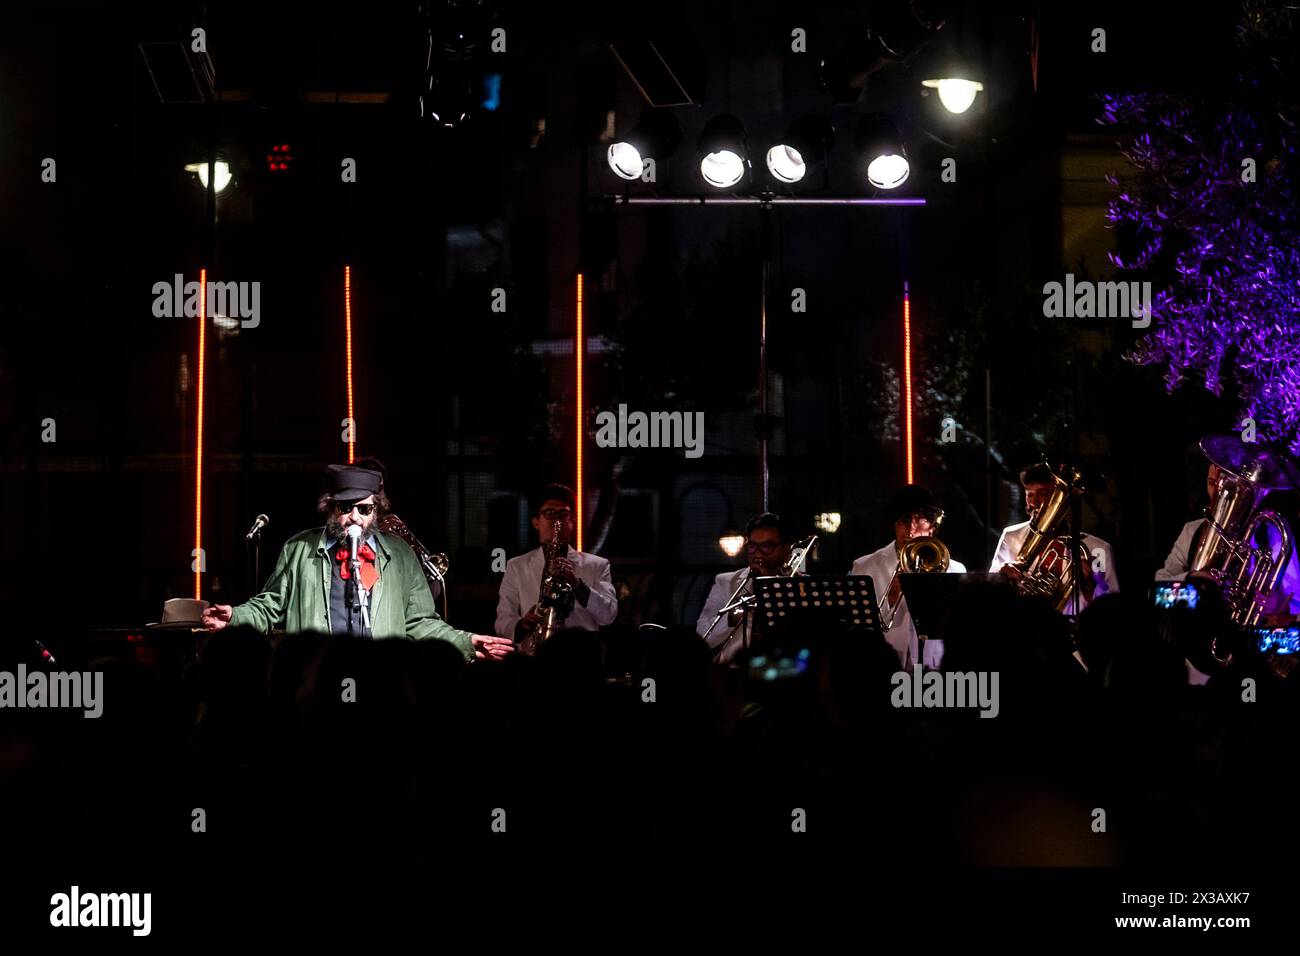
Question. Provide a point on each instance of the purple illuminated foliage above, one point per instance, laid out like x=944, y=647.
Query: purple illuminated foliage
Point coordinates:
x=1223, y=254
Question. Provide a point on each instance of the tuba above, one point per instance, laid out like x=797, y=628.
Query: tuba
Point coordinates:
x=924, y=554
x=1043, y=567
x=1247, y=574
x=554, y=601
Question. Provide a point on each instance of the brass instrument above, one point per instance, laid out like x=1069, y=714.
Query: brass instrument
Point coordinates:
x=1248, y=575
x=434, y=564
x=554, y=601
x=924, y=554
x=798, y=555
x=1043, y=567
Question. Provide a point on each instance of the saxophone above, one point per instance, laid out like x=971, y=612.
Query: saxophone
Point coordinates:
x=433, y=564
x=554, y=601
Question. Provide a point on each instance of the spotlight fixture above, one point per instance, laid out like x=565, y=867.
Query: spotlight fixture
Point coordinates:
x=880, y=147
x=806, y=143
x=955, y=94
x=653, y=139
x=222, y=170
x=828, y=522
x=723, y=155
x=731, y=541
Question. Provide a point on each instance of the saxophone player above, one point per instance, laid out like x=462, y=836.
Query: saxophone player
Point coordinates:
x=1037, y=482
x=595, y=604
x=914, y=514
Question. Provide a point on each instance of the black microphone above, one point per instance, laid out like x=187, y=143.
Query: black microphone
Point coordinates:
x=258, y=524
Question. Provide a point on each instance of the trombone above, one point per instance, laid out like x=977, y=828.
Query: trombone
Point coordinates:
x=924, y=554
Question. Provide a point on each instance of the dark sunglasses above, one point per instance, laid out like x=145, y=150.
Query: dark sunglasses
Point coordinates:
x=343, y=507
x=556, y=514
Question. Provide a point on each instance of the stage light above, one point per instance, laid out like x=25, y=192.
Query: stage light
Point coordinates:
x=199, y=563
x=731, y=541
x=654, y=138
x=955, y=94
x=723, y=155
x=828, y=522
x=907, y=383
x=579, y=350
x=878, y=145
x=805, y=144
x=347, y=345
x=222, y=170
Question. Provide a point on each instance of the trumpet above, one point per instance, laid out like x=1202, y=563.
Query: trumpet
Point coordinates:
x=924, y=554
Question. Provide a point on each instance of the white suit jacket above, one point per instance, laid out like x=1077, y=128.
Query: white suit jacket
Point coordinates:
x=1107, y=582
x=1180, y=556
x=723, y=586
x=523, y=581
x=880, y=567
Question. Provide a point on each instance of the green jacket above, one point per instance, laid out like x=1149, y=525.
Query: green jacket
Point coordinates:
x=296, y=596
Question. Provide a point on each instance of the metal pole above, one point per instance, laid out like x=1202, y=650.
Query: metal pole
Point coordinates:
x=760, y=201
x=762, y=392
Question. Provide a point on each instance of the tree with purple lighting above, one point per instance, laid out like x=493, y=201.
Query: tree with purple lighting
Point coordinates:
x=1210, y=217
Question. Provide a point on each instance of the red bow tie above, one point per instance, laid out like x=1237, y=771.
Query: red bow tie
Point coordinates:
x=342, y=555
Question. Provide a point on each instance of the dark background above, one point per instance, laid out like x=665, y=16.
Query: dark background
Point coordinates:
x=471, y=409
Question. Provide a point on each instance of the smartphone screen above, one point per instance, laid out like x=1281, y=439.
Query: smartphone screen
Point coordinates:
x=1176, y=592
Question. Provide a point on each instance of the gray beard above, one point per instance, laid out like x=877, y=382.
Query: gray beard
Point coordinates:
x=334, y=529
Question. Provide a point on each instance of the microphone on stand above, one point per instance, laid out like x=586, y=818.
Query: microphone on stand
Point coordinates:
x=258, y=524
x=354, y=561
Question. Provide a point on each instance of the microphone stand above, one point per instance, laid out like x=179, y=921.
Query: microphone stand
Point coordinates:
x=255, y=542
x=733, y=602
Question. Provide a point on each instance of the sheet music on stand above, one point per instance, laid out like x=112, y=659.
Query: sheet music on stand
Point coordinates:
x=816, y=601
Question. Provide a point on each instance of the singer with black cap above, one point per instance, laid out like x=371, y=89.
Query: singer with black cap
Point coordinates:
x=350, y=578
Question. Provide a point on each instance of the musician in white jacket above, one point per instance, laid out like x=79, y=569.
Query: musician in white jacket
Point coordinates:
x=914, y=512
x=595, y=604
x=1099, y=576
x=767, y=550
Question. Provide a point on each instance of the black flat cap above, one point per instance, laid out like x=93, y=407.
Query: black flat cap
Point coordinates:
x=348, y=482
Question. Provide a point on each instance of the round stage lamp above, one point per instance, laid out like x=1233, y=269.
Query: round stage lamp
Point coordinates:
x=732, y=542
x=805, y=144
x=786, y=164
x=653, y=138
x=723, y=156
x=878, y=144
x=955, y=94
x=221, y=169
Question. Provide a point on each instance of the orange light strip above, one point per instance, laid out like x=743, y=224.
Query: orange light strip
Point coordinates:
x=347, y=313
x=579, y=347
x=907, y=381
x=198, y=442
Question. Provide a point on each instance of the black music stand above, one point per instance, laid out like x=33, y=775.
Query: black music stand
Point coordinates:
x=814, y=602
x=928, y=596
